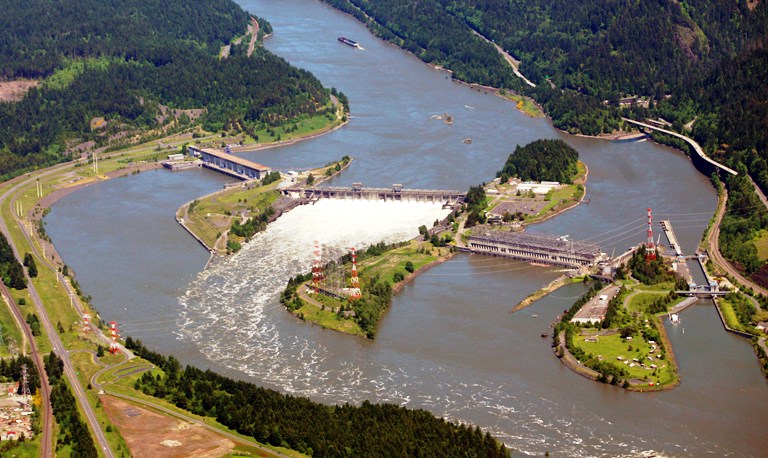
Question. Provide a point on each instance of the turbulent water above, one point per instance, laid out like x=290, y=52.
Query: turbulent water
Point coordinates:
x=449, y=342
x=226, y=311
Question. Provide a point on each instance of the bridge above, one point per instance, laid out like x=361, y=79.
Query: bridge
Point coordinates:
x=690, y=141
x=357, y=191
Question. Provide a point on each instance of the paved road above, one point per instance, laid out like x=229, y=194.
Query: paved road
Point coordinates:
x=713, y=241
x=53, y=335
x=694, y=144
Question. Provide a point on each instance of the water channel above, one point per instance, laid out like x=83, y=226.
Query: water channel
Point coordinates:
x=449, y=344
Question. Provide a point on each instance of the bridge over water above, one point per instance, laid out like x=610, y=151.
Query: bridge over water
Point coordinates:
x=690, y=141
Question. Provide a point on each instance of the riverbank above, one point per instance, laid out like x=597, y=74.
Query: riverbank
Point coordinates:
x=209, y=218
x=570, y=361
x=337, y=309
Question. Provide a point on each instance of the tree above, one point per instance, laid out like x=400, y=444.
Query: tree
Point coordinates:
x=409, y=266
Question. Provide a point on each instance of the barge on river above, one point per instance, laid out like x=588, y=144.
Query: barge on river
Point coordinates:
x=348, y=42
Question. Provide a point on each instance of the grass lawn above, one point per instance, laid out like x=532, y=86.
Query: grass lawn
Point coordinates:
x=611, y=347
x=10, y=335
x=726, y=308
x=761, y=243
x=330, y=320
x=393, y=261
x=642, y=300
x=304, y=125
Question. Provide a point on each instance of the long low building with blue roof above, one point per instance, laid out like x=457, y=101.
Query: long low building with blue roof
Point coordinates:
x=228, y=163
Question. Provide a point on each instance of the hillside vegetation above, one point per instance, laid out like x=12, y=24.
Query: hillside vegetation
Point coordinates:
x=114, y=69
x=700, y=65
x=542, y=160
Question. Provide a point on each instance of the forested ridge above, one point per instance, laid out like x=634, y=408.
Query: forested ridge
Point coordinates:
x=542, y=160
x=123, y=60
x=701, y=63
x=369, y=430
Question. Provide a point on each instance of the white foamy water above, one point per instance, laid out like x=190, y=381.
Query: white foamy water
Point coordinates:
x=229, y=311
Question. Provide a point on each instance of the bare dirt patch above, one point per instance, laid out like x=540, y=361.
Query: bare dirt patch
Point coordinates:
x=13, y=91
x=149, y=434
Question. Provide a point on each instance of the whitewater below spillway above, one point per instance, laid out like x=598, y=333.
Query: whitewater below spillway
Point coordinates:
x=232, y=312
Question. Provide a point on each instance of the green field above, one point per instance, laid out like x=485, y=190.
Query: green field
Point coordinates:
x=208, y=218
x=761, y=243
x=329, y=320
x=611, y=347
x=385, y=266
x=729, y=315
x=302, y=126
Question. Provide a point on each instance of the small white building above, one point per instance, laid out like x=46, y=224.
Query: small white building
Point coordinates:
x=176, y=157
x=537, y=188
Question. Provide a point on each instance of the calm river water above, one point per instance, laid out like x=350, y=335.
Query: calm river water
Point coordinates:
x=449, y=344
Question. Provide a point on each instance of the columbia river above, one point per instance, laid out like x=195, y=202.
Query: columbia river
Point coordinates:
x=449, y=344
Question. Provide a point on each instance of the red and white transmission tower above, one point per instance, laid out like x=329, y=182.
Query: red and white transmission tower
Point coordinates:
x=650, y=251
x=113, y=347
x=354, y=292
x=317, y=267
x=86, y=322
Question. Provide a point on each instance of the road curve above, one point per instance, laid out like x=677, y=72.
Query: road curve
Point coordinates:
x=713, y=241
x=699, y=150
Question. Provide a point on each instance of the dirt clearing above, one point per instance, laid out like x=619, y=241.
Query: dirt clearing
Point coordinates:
x=150, y=434
x=13, y=91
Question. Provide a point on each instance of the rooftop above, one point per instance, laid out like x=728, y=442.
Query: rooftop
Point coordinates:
x=235, y=159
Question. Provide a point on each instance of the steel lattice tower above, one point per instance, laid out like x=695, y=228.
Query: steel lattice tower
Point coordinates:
x=650, y=251
x=355, y=282
x=25, y=383
x=317, y=267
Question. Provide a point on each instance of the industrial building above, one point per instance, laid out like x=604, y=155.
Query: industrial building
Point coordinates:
x=230, y=164
x=546, y=249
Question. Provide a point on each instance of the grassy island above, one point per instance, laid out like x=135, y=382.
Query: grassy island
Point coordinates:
x=382, y=269
x=626, y=344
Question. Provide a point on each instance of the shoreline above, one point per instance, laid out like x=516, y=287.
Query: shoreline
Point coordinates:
x=54, y=196
x=216, y=252
x=570, y=361
x=396, y=289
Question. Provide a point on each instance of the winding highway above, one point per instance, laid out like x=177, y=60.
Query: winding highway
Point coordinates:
x=699, y=150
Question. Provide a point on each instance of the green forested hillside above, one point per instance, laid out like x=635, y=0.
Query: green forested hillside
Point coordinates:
x=368, y=430
x=586, y=54
x=702, y=65
x=122, y=60
x=542, y=160
x=35, y=35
